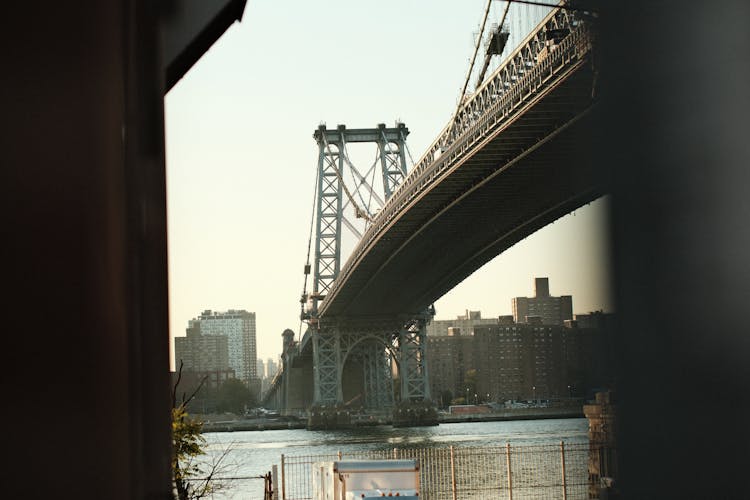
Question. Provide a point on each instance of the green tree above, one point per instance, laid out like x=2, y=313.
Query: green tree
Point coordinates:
x=188, y=443
x=233, y=395
x=192, y=477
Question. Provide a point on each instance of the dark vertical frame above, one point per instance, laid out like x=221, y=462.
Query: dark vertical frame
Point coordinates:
x=85, y=372
x=674, y=130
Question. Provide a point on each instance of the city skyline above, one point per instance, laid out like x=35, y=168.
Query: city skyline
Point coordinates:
x=241, y=159
x=452, y=304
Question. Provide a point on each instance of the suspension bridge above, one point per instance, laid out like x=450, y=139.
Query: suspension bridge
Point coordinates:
x=512, y=159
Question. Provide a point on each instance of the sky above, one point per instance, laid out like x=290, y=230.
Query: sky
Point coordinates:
x=241, y=159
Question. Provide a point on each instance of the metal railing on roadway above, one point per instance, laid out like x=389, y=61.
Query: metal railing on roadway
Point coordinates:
x=502, y=471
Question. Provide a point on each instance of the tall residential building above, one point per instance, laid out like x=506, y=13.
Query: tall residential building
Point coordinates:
x=540, y=352
x=522, y=361
x=542, y=306
x=260, y=368
x=200, y=353
x=449, y=357
x=239, y=328
x=464, y=322
x=200, y=357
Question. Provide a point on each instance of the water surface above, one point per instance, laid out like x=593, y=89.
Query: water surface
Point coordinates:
x=253, y=453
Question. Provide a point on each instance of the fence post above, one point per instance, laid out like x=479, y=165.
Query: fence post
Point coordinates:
x=268, y=485
x=562, y=457
x=510, y=479
x=453, y=474
x=275, y=482
x=283, y=479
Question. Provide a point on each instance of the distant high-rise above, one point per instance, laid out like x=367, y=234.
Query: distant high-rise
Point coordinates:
x=271, y=368
x=521, y=361
x=543, y=307
x=260, y=368
x=201, y=354
x=464, y=322
x=239, y=328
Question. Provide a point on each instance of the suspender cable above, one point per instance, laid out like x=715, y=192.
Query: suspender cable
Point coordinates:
x=309, y=246
x=488, y=55
x=363, y=180
x=471, y=67
x=358, y=210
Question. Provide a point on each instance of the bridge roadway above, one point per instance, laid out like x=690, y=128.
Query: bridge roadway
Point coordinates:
x=516, y=160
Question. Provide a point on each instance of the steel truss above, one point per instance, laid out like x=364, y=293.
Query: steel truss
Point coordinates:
x=529, y=55
x=332, y=157
x=415, y=383
x=379, y=350
x=392, y=159
x=370, y=348
x=376, y=363
x=328, y=226
x=327, y=389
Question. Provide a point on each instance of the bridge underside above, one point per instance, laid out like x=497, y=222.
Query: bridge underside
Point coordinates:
x=528, y=173
x=365, y=383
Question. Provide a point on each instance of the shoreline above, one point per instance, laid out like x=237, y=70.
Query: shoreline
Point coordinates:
x=283, y=423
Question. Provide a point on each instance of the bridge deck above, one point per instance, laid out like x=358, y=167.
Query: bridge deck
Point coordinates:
x=530, y=171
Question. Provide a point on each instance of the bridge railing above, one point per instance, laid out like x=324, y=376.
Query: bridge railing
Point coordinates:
x=560, y=39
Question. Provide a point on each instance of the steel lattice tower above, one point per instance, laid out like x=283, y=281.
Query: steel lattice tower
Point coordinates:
x=372, y=344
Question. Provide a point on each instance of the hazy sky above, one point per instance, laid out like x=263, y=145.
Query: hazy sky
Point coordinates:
x=241, y=160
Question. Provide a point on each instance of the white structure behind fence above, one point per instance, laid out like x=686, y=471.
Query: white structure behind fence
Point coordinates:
x=461, y=473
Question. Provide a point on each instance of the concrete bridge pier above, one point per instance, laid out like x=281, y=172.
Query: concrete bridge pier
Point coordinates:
x=292, y=387
x=297, y=389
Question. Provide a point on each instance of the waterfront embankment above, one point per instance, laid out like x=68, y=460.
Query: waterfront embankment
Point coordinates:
x=514, y=414
x=231, y=423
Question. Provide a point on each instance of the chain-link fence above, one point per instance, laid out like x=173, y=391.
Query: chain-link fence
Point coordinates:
x=531, y=472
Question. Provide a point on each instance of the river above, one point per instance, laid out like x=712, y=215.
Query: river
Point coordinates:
x=252, y=453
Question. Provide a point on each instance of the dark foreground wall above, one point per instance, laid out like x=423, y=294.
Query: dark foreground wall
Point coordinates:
x=675, y=77
x=85, y=370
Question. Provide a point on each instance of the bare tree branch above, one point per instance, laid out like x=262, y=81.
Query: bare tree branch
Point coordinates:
x=192, y=396
x=185, y=401
x=176, y=384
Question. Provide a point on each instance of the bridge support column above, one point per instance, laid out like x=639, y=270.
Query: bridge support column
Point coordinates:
x=326, y=363
x=352, y=372
x=416, y=407
x=414, y=380
x=378, y=378
x=392, y=157
x=327, y=411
